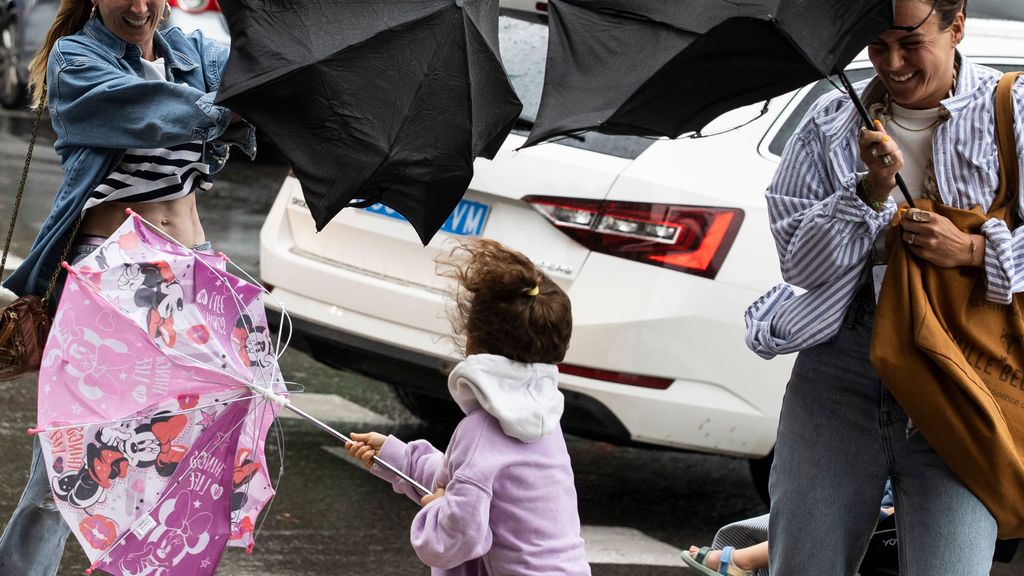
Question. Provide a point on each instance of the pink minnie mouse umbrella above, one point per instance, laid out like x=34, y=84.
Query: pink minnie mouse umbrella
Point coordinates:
x=158, y=385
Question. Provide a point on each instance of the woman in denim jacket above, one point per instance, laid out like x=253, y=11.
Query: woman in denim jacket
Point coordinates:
x=118, y=89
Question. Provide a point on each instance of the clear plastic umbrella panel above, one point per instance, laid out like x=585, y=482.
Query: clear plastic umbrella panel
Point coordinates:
x=158, y=385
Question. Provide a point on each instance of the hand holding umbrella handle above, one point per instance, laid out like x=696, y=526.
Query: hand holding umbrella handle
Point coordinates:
x=867, y=122
x=299, y=412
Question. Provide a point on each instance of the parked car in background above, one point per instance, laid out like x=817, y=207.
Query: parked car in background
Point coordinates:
x=202, y=15
x=661, y=245
x=997, y=9
x=24, y=24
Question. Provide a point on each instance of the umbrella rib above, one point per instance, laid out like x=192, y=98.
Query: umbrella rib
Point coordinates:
x=285, y=316
x=264, y=510
x=139, y=415
x=279, y=435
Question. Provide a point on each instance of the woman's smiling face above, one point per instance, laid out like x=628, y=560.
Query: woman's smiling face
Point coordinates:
x=134, y=21
x=917, y=67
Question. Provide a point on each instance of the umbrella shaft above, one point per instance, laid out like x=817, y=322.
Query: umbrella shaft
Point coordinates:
x=343, y=438
x=867, y=122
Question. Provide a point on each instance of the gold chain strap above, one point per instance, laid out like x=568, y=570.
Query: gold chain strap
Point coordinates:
x=63, y=258
x=17, y=205
x=21, y=186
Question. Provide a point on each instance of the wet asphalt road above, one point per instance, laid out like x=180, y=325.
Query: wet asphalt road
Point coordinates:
x=331, y=517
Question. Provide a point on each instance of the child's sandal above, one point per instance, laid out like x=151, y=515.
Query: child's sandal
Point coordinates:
x=725, y=565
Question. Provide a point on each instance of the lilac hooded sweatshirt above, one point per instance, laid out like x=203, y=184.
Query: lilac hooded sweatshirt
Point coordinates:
x=509, y=506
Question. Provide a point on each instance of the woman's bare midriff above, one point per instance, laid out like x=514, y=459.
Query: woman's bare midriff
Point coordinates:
x=178, y=218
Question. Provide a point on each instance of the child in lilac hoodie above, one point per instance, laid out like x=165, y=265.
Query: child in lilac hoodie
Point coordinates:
x=505, y=502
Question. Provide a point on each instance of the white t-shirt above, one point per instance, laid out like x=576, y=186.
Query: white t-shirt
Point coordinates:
x=912, y=130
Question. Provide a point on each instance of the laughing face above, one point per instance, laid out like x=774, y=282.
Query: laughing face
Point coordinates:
x=917, y=67
x=134, y=21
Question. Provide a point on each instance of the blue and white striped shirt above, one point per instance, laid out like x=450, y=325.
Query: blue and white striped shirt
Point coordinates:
x=824, y=232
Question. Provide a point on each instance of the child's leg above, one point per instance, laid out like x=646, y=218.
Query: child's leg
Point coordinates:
x=748, y=559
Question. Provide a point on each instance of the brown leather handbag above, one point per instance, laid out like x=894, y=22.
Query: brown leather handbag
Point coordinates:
x=25, y=322
x=24, y=327
x=953, y=359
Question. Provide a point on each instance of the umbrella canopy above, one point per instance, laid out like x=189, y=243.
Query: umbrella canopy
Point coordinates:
x=669, y=67
x=152, y=434
x=373, y=100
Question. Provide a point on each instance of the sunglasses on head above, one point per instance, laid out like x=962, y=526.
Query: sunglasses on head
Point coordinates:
x=919, y=24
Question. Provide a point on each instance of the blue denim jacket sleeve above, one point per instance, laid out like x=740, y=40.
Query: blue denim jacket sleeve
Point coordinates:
x=240, y=134
x=89, y=89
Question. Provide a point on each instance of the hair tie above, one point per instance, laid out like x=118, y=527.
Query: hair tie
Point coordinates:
x=534, y=291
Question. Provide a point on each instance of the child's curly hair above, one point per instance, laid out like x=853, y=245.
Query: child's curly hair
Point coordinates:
x=504, y=305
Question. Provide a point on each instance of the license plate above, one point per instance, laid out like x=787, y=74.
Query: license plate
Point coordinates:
x=468, y=218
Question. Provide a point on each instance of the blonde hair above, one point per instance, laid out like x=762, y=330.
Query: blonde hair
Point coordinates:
x=71, y=17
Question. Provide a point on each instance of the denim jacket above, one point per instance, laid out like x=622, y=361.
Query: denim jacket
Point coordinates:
x=100, y=105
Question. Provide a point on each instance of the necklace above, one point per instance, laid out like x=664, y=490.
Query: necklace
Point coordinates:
x=891, y=118
x=883, y=110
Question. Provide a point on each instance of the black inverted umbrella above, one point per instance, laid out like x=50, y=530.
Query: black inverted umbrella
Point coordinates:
x=668, y=67
x=373, y=100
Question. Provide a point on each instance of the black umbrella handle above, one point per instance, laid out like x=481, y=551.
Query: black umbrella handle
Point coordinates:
x=867, y=122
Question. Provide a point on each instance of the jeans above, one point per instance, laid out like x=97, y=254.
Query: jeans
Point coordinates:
x=33, y=540
x=841, y=435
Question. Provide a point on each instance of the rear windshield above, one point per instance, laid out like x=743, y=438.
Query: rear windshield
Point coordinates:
x=1001, y=9
x=523, y=41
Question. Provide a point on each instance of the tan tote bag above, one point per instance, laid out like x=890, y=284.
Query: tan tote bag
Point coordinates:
x=954, y=360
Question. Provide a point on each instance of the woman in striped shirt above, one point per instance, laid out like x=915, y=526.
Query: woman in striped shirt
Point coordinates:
x=133, y=109
x=841, y=434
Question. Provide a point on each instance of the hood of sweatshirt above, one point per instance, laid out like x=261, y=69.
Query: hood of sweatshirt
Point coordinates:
x=524, y=398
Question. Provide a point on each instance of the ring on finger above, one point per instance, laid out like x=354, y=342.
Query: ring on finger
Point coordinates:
x=913, y=236
x=888, y=160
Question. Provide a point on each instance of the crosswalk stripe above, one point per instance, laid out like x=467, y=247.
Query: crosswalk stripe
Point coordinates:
x=621, y=545
x=334, y=408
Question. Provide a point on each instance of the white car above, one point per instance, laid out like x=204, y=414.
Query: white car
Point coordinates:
x=202, y=15
x=660, y=244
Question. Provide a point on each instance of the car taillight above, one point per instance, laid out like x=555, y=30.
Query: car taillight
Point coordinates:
x=617, y=377
x=196, y=5
x=691, y=239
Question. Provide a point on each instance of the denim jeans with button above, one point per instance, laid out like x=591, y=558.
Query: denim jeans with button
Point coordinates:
x=841, y=435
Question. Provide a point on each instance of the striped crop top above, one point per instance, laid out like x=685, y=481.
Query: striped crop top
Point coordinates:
x=154, y=174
